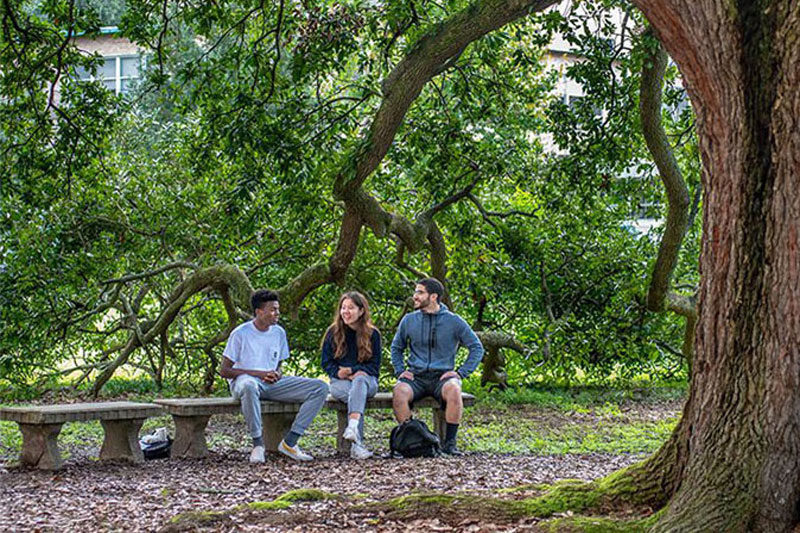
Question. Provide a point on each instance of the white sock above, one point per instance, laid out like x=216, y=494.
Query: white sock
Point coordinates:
x=353, y=423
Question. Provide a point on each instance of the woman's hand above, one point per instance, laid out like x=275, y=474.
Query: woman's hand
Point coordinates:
x=344, y=372
x=359, y=373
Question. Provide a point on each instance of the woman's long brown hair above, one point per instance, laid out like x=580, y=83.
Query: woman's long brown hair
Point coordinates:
x=363, y=328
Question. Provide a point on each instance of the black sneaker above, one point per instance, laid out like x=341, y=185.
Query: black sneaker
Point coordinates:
x=449, y=448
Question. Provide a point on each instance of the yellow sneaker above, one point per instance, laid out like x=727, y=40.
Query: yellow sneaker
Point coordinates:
x=294, y=452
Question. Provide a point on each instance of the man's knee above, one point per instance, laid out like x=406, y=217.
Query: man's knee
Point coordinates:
x=451, y=391
x=322, y=388
x=246, y=389
x=402, y=392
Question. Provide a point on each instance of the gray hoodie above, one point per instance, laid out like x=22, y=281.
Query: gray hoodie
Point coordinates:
x=433, y=339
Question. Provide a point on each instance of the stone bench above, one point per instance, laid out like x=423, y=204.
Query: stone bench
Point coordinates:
x=191, y=417
x=40, y=426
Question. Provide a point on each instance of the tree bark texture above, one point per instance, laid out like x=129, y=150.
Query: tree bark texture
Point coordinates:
x=741, y=426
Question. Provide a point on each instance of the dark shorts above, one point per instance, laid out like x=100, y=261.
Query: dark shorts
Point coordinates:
x=427, y=384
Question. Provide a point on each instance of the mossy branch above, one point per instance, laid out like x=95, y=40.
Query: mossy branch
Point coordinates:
x=196, y=519
x=423, y=62
x=220, y=278
x=659, y=296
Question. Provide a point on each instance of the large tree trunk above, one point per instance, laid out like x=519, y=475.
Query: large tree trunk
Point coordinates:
x=740, y=435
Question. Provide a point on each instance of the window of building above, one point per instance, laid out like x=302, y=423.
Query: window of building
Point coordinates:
x=117, y=73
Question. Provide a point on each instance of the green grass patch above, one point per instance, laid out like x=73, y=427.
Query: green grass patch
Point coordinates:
x=527, y=436
x=10, y=439
x=580, y=398
x=553, y=422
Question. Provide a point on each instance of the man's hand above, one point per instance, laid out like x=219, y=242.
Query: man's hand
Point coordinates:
x=272, y=376
x=359, y=373
x=406, y=375
x=344, y=372
x=449, y=374
x=260, y=374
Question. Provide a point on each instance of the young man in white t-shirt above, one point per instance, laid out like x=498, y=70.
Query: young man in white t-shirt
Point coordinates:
x=251, y=363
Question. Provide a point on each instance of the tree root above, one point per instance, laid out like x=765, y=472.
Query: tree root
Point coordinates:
x=193, y=520
x=629, y=489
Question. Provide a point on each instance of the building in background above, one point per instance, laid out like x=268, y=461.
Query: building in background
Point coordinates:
x=122, y=60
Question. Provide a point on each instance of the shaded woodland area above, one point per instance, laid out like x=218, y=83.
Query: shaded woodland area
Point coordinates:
x=313, y=146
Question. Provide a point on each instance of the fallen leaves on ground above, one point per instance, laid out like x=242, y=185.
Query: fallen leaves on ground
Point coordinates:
x=88, y=495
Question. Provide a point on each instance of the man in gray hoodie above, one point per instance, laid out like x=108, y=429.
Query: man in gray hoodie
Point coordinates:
x=433, y=335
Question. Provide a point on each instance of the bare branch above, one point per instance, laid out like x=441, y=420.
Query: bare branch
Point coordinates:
x=151, y=273
x=447, y=202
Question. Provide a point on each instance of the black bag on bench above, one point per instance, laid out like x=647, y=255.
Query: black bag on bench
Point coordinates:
x=412, y=438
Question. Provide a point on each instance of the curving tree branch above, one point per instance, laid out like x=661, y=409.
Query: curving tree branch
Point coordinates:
x=432, y=54
x=219, y=278
x=421, y=64
x=659, y=296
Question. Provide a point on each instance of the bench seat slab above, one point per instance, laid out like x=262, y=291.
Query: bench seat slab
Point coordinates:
x=79, y=412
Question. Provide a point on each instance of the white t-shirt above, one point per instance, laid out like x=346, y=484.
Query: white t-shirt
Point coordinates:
x=252, y=349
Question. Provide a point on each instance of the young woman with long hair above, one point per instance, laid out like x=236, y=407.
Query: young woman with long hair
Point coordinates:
x=351, y=356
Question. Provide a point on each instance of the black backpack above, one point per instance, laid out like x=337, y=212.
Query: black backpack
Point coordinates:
x=412, y=438
x=156, y=449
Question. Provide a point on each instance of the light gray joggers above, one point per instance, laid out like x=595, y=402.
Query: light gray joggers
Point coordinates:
x=312, y=393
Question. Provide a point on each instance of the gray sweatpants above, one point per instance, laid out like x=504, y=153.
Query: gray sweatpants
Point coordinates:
x=355, y=394
x=312, y=393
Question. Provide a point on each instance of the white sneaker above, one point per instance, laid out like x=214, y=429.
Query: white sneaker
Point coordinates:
x=295, y=453
x=359, y=451
x=351, y=431
x=257, y=455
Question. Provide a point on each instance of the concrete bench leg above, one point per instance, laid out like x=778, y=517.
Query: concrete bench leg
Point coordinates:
x=439, y=424
x=274, y=427
x=40, y=446
x=122, y=440
x=342, y=444
x=190, y=436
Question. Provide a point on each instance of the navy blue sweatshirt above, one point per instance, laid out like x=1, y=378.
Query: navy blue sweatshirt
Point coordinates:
x=349, y=358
